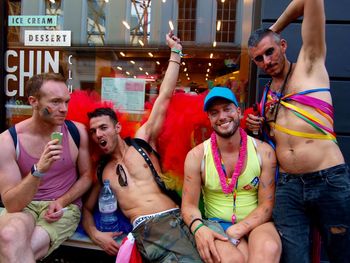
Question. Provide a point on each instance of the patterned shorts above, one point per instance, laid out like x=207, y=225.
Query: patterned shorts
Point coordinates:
x=166, y=238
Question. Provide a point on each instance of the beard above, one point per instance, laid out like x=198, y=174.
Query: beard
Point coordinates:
x=229, y=133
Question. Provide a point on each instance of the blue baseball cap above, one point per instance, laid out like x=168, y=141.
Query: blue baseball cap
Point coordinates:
x=219, y=92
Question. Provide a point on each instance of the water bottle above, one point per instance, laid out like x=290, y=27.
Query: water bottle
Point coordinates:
x=107, y=204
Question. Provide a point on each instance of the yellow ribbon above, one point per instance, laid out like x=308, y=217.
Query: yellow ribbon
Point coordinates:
x=303, y=134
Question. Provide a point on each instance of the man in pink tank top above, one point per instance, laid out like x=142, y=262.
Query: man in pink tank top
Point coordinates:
x=39, y=183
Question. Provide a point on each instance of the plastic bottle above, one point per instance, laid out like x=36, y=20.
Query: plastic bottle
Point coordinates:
x=107, y=204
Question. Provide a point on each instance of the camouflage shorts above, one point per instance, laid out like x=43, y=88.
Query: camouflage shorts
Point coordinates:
x=166, y=238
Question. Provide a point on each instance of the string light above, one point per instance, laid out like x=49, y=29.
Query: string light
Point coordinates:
x=171, y=25
x=218, y=25
x=126, y=24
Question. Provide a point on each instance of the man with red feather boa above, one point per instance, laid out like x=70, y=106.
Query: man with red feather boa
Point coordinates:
x=132, y=168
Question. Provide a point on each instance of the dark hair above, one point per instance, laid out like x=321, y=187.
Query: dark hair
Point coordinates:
x=259, y=34
x=103, y=112
x=35, y=83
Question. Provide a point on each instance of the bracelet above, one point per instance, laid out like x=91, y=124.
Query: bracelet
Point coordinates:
x=198, y=227
x=194, y=220
x=234, y=241
x=177, y=51
x=177, y=62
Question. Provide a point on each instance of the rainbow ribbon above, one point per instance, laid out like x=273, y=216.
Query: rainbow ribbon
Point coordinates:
x=323, y=108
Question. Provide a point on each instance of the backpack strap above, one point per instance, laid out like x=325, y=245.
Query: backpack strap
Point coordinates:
x=171, y=193
x=13, y=134
x=74, y=132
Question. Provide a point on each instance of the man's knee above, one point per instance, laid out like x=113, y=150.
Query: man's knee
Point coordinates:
x=269, y=248
x=13, y=231
x=234, y=258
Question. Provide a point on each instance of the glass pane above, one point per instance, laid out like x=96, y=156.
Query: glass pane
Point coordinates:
x=103, y=50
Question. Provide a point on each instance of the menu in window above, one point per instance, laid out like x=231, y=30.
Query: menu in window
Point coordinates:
x=126, y=94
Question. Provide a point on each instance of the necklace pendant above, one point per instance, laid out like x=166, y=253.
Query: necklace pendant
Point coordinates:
x=233, y=218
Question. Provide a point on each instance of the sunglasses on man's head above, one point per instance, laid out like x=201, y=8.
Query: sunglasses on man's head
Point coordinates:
x=267, y=53
x=122, y=179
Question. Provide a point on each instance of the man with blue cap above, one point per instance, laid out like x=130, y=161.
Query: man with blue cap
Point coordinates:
x=235, y=174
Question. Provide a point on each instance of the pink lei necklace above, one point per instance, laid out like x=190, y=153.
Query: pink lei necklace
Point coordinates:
x=220, y=168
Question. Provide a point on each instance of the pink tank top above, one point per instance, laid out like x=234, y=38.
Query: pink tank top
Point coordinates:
x=59, y=178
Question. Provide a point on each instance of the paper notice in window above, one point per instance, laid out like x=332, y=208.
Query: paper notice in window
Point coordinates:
x=126, y=94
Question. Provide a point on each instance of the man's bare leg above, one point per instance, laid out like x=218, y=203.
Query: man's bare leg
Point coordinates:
x=16, y=231
x=264, y=244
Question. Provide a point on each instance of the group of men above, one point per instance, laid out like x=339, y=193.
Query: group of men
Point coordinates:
x=42, y=179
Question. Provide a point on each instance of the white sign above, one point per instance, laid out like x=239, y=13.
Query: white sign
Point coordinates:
x=32, y=20
x=126, y=94
x=22, y=64
x=47, y=38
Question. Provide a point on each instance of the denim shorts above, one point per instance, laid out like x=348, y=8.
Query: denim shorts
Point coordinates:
x=320, y=199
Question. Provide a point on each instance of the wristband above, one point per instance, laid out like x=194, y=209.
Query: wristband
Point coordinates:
x=234, y=241
x=194, y=220
x=170, y=60
x=197, y=228
x=177, y=51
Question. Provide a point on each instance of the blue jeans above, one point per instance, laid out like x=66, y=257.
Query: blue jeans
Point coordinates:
x=319, y=199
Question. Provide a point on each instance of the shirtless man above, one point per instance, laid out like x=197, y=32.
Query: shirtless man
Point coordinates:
x=38, y=175
x=157, y=224
x=313, y=185
x=243, y=207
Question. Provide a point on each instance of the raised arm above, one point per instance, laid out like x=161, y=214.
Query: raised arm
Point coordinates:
x=313, y=26
x=150, y=130
x=266, y=195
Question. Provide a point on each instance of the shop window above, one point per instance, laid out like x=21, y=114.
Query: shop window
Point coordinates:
x=105, y=58
x=55, y=8
x=187, y=20
x=226, y=21
x=96, y=22
x=140, y=22
x=14, y=9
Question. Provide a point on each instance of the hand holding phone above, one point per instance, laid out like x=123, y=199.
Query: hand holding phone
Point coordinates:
x=59, y=211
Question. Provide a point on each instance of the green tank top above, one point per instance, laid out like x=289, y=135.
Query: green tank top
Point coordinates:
x=216, y=203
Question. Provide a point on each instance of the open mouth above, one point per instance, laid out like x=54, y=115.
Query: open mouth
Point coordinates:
x=103, y=143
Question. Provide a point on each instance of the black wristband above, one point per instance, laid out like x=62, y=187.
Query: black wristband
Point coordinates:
x=194, y=220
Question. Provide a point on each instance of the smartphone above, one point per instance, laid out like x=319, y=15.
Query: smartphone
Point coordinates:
x=57, y=135
x=59, y=211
